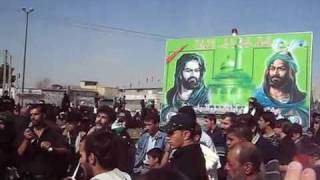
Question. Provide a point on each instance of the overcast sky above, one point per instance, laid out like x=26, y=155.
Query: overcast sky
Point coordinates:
x=118, y=42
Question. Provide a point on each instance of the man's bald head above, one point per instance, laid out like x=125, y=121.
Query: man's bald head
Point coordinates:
x=248, y=152
x=243, y=160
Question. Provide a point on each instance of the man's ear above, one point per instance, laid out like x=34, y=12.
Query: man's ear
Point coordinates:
x=92, y=159
x=248, y=168
x=196, y=138
x=187, y=135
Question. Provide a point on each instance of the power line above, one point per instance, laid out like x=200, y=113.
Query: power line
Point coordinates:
x=104, y=28
x=97, y=27
x=107, y=28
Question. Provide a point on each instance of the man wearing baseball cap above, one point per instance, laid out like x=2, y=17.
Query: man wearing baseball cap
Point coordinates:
x=187, y=158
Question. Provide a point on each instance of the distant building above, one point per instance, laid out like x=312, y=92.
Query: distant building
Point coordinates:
x=32, y=95
x=90, y=93
x=87, y=94
x=133, y=96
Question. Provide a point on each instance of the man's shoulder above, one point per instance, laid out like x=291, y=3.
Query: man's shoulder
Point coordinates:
x=53, y=134
x=206, y=139
x=189, y=159
x=184, y=152
x=265, y=144
x=115, y=174
x=144, y=137
x=53, y=130
x=161, y=134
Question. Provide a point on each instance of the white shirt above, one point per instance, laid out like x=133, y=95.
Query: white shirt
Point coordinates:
x=115, y=174
x=212, y=162
x=151, y=142
x=206, y=140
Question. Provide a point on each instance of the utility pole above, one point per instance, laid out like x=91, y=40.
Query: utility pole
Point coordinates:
x=4, y=73
x=10, y=75
x=27, y=11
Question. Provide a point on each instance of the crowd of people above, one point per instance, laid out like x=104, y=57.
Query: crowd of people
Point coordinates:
x=38, y=142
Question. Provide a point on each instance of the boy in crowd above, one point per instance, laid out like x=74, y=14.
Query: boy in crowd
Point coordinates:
x=154, y=158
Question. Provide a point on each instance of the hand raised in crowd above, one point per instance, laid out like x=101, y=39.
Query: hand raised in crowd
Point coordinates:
x=45, y=145
x=295, y=172
x=29, y=134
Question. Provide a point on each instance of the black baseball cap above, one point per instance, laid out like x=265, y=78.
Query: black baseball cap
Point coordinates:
x=180, y=121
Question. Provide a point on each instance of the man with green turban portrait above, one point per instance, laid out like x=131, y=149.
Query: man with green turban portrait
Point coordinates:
x=280, y=91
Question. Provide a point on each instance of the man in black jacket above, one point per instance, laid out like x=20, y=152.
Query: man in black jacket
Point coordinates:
x=188, y=157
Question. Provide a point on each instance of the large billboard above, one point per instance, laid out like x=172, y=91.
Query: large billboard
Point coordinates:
x=219, y=74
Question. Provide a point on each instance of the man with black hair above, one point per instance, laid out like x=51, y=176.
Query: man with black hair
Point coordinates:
x=269, y=152
x=287, y=148
x=247, y=120
x=227, y=120
x=266, y=124
x=211, y=127
x=268, y=143
x=99, y=157
x=282, y=127
x=104, y=119
x=237, y=134
x=41, y=147
x=152, y=138
x=297, y=136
